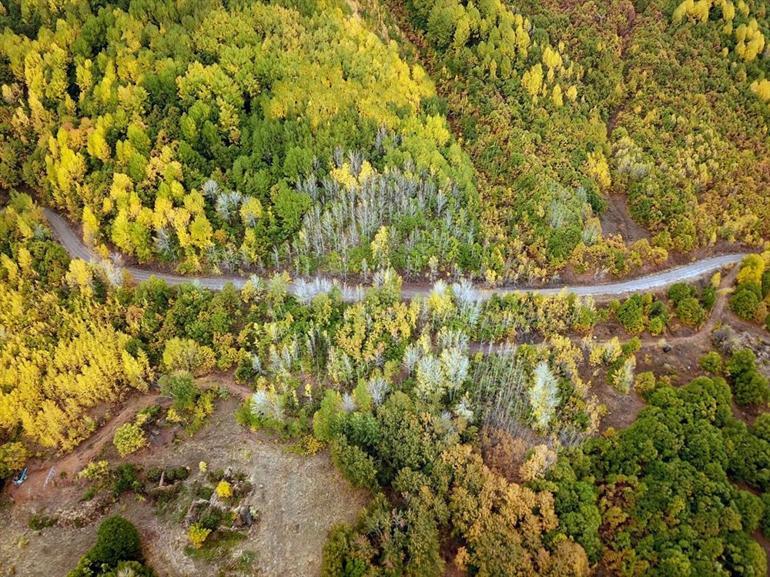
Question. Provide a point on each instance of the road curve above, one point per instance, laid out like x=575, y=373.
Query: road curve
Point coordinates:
x=655, y=281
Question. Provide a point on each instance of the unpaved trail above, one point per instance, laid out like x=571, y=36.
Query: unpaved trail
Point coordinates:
x=655, y=281
x=42, y=475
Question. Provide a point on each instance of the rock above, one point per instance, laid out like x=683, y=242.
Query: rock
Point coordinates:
x=245, y=516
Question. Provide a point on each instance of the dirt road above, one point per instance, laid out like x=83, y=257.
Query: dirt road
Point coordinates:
x=688, y=272
x=44, y=475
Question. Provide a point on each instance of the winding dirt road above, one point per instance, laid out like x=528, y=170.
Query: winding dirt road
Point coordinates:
x=655, y=281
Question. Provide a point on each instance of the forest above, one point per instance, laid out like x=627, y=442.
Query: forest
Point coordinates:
x=187, y=134
x=365, y=176
x=411, y=413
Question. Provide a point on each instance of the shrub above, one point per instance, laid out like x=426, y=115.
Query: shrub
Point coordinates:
x=211, y=518
x=12, y=458
x=761, y=427
x=39, y=522
x=95, y=470
x=645, y=383
x=751, y=389
x=117, y=546
x=751, y=509
x=765, y=523
x=690, y=312
x=126, y=478
x=712, y=363
x=749, y=386
x=224, y=490
x=154, y=474
x=181, y=388
x=197, y=535
x=659, y=310
x=355, y=464
x=631, y=315
x=116, y=540
x=657, y=326
x=708, y=297
x=129, y=438
x=175, y=474
x=679, y=291
x=745, y=302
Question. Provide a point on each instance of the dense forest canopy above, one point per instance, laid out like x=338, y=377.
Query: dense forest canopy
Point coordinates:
x=230, y=135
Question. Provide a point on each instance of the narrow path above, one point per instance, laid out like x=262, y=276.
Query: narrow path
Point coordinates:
x=45, y=473
x=42, y=475
x=655, y=281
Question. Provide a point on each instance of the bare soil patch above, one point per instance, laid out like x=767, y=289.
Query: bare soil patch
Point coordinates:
x=618, y=220
x=299, y=498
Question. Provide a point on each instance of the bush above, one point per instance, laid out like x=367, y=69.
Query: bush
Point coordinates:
x=117, y=542
x=690, y=312
x=679, y=291
x=197, y=535
x=745, y=302
x=126, y=478
x=38, y=522
x=355, y=464
x=12, y=458
x=761, y=427
x=765, y=523
x=712, y=363
x=645, y=383
x=657, y=326
x=708, y=297
x=342, y=556
x=154, y=474
x=129, y=438
x=175, y=474
x=181, y=388
x=750, y=388
x=631, y=315
x=224, y=490
x=751, y=509
x=211, y=518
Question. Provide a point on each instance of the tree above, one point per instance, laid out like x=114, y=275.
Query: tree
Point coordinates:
x=543, y=396
x=129, y=438
x=745, y=301
x=117, y=542
x=631, y=315
x=13, y=455
x=187, y=355
x=690, y=312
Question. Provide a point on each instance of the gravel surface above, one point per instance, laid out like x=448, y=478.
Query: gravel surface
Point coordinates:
x=692, y=271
